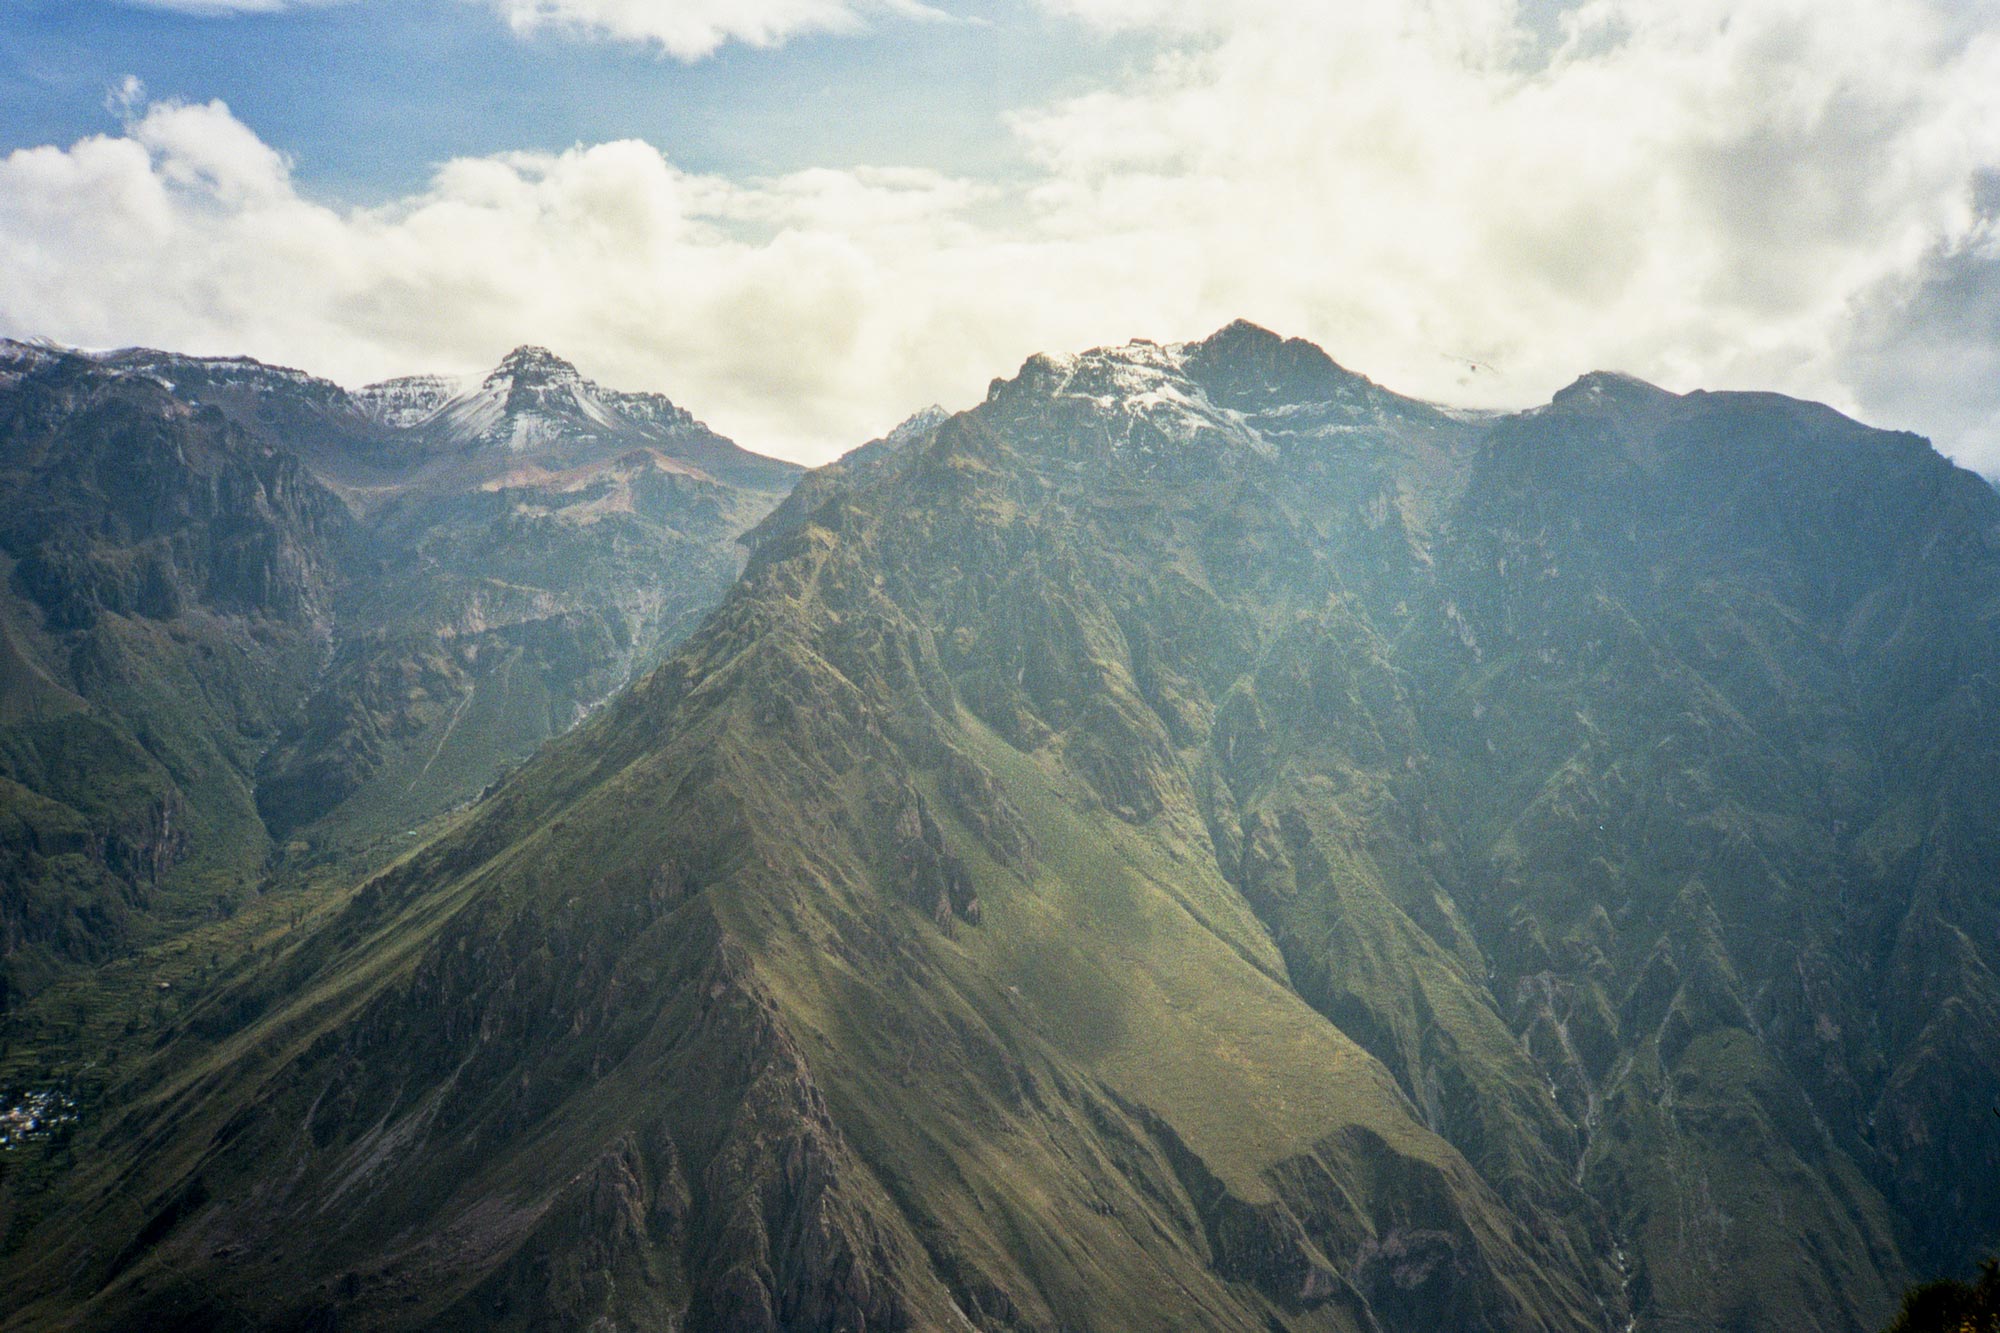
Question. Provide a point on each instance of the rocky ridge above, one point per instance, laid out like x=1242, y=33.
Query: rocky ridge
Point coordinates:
x=1196, y=841
x=282, y=620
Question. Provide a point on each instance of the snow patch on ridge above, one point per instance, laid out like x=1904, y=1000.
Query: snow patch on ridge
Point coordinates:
x=1144, y=393
x=409, y=400
x=532, y=400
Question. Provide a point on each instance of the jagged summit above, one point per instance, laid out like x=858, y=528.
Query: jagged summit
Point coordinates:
x=916, y=425
x=1243, y=341
x=1244, y=330
x=531, y=401
x=534, y=377
x=1242, y=391
x=1614, y=387
x=537, y=404
x=534, y=407
x=532, y=398
x=529, y=359
x=22, y=358
x=1245, y=366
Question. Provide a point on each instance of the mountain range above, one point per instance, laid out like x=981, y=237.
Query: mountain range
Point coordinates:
x=1196, y=841
x=253, y=619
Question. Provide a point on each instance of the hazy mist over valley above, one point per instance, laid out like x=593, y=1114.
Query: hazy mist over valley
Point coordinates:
x=847, y=666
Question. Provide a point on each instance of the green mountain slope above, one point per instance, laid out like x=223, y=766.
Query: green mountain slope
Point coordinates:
x=1198, y=841
x=167, y=597
x=251, y=622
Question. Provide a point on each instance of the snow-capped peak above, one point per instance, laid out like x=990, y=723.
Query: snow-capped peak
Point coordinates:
x=22, y=358
x=528, y=364
x=532, y=399
x=917, y=425
x=1242, y=392
x=1138, y=398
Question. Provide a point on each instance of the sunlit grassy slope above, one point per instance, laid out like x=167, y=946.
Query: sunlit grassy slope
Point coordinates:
x=1195, y=842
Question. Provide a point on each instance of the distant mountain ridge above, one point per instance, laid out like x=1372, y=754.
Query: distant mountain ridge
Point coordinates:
x=532, y=404
x=1197, y=840
x=444, y=576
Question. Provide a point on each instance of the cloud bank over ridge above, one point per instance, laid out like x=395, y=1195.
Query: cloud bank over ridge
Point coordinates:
x=1466, y=199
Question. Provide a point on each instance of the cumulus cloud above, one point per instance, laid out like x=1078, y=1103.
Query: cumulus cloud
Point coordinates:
x=1467, y=206
x=1701, y=191
x=758, y=305
x=690, y=29
x=1926, y=347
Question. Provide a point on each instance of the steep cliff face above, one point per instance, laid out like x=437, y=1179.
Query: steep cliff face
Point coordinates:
x=169, y=583
x=495, y=614
x=1197, y=841
x=1729, y=849
x=245, y=608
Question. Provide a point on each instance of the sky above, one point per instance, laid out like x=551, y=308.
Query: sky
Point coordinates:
x=805, y=219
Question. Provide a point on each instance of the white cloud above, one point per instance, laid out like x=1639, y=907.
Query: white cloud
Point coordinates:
x=1926, y=347
x=1701, y=191
x=1715, y=193
x=690, y=29
x=126, y=98
x=757, y=305
x=684, y=29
